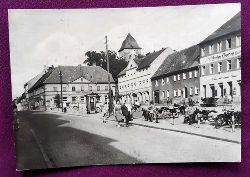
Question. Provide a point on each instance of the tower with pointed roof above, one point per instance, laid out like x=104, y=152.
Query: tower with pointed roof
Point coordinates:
x=130, y=48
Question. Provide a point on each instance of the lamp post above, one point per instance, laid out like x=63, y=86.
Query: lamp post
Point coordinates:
x=109, y=103
x=60, y=74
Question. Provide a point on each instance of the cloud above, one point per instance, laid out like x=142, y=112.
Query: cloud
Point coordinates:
x=58, y=49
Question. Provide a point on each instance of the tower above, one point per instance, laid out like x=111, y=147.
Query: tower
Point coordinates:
x=129, y=48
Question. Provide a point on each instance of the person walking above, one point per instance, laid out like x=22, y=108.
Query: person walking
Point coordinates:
x=125, y=112
x=105, y=112
x=117, y=113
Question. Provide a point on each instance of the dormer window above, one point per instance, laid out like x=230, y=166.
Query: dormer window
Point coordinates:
x=174, y=77
x=238, y=41
x=210, y=49
x=202, y=51
x=162, y=81
x=219, y=46
x=228, y=43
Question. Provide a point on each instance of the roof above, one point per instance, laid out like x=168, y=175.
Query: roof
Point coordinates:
x=94, y=74
x=232, y=25
x=178, y=61
x=40, y=82
x=148, y=59
x=129, y=43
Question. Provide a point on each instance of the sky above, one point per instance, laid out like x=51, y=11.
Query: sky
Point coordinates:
x=63, y=36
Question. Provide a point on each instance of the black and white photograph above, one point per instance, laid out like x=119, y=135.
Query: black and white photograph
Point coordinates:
x=107, y=86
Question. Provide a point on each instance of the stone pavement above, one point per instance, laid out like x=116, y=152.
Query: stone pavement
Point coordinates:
x=205, y=129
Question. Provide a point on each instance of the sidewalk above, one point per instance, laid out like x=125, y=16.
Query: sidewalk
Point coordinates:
x=204, y=130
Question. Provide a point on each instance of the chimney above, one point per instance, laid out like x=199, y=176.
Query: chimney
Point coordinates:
x=45, y=68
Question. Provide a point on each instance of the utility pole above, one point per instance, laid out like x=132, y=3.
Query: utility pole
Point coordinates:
x=60, y=74
x=107, y=57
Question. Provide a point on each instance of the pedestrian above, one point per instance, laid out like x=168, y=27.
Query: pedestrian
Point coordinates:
x=125, y=112
x=118, y=113
x=105, y=112
x=64, y=107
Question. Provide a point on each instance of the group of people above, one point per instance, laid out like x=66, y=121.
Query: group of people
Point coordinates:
x=122, y=111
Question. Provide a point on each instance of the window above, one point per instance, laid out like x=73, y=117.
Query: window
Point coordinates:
x=73, y=89
x=147, y=80
x=238, y=41
x=64, y=89
x=190, y=74
x=106, y=88
x=196, y=91
x=219, y=46
x=82, y=88
x=140, y=82
x=162, y=81
x=191, y=91
x=178, y=77
x=210, y=49
x=175, y=94
x=184, y=76
x=228, y=43
x=73, y=98
x=203, y=70
x=211, y=69
x=82, y=98
x=202, y=51
x=156, y=83
x=128, y=85
x=229, y=65
x=131, y=84
x=90, y=88
x=196, y=73
x=174, y=77
x=167, y=79
x=167, y=93
x=238, y=63
x=98, y=88
x=55, y=89
x=163, y=94
x=179, y=92
x=65, y=99
x=219, y=66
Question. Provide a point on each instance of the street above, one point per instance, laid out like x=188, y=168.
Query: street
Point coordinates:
x=59, y=140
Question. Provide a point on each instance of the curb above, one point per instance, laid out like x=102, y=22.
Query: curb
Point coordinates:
x=190, y=133
x=166, y=129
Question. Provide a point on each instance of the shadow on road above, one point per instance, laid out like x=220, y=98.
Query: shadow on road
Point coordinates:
x=64, y=146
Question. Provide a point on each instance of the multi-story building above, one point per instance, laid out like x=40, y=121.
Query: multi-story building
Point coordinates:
x=129, y=48
x=221, y=61
x=134, y=82
x=177, y=79
x=77, y=82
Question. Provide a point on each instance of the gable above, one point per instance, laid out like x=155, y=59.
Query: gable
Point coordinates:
x=131, y=65
x=81, y=79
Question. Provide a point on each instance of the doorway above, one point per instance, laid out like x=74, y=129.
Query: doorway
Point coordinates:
x=157, y=97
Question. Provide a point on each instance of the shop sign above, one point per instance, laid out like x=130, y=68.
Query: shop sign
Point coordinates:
x=221, y=56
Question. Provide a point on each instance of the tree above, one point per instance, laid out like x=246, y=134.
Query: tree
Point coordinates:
x=116, y=65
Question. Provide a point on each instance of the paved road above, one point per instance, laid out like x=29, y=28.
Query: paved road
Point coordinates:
x=57, y=140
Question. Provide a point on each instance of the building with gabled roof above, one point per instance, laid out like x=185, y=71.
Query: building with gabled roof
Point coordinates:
x=77, y=82
x=177, y=79
x=221, y=62
x=129, y=48
x=134, y=81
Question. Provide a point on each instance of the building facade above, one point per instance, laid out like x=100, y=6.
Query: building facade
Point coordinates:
x=77, y=82
x=134, y=82
x=221, y=62
x=129, y=49
x=177, y=79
